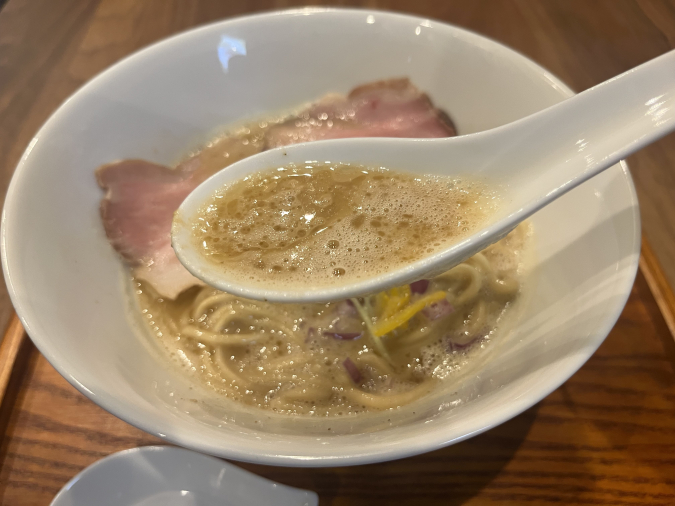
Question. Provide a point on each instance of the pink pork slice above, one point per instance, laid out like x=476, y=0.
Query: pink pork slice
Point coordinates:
x=141, y=197
x=393, y=108
x=137, y=211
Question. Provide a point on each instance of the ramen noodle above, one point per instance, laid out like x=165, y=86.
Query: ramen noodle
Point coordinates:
x=368, y=354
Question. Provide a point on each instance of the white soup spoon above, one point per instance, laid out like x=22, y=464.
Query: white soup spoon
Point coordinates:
x=533, y=160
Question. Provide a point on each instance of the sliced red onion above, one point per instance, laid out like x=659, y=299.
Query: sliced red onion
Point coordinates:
x=352, y=370
x=438, y=310
x=311, y=334
x=345, y=336
x=453, y=346
x=420, y=286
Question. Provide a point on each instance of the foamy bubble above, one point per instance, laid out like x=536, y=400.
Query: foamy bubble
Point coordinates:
x=326, y=224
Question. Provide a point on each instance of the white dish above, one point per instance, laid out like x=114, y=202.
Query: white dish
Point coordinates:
x=169, y=476
x=68, y=285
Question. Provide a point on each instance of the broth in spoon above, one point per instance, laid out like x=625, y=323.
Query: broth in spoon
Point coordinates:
x=328, y=224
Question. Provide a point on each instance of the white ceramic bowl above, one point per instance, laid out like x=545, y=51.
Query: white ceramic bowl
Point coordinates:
x=67, y=283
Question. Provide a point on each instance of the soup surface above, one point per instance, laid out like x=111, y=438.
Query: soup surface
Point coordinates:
x=343, y=358
x=330, y=224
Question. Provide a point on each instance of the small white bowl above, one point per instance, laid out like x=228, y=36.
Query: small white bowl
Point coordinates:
x=68, y=285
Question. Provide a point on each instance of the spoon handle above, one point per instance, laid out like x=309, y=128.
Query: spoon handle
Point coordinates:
x=574, y=140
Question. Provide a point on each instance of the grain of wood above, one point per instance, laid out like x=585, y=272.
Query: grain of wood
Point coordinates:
x=9, y=349
x=662, y=291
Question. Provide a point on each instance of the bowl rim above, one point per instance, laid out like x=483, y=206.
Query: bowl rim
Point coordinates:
x=378, y=452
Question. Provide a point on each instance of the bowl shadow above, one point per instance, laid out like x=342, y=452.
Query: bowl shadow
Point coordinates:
x=451, y=475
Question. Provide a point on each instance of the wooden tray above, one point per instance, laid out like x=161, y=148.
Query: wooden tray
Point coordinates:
x=607, y=436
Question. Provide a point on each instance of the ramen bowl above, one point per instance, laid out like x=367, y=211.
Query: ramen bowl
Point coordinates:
x=72, y=293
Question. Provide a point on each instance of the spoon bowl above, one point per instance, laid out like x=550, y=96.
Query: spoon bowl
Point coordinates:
x=532, y=161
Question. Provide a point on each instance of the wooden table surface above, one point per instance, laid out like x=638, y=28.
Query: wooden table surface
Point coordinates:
x=606, y=437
